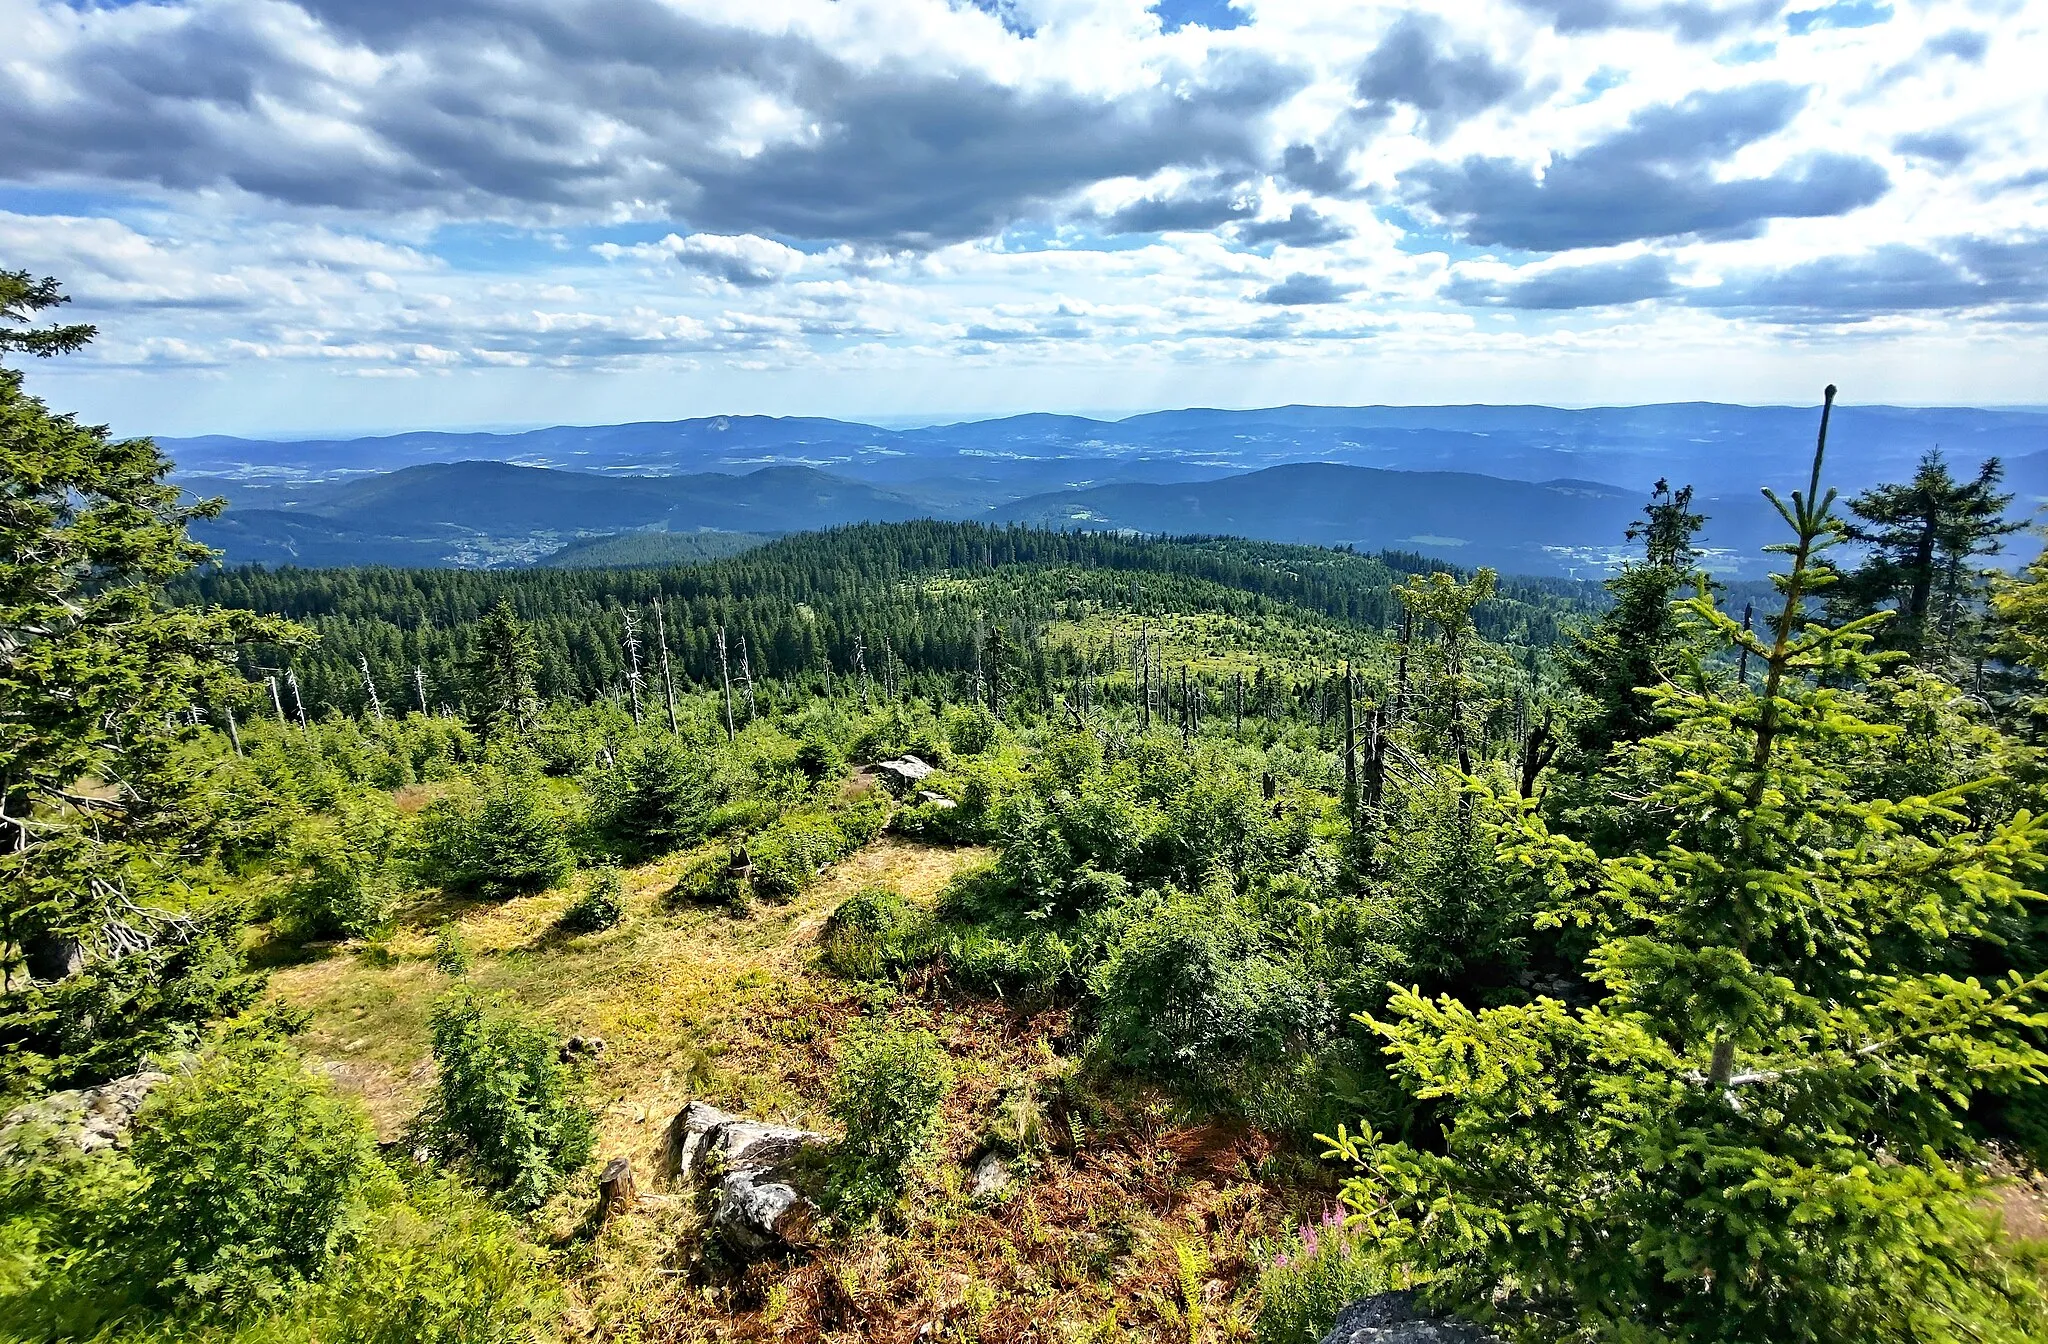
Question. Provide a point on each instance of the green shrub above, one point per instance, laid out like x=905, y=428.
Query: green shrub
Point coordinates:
x=451, y=949
x=820, y=760
x=504, y=1106
x=504, y=838
x=970, y=729
x=885, y=1092
x=251, y=1173
x=859, y=938
x=656, y=800
x=1308, y=1280
x=347, y=890
x=601, y=906
x=788, y=855
x=1189, y=993
x=709, y=879
x=441, y=1267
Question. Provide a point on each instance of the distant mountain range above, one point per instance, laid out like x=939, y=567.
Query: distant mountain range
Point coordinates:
x=1527, y=488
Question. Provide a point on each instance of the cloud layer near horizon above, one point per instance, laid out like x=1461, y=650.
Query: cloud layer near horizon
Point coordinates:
x=261, y=201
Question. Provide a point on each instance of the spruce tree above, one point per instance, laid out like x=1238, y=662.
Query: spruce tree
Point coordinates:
x=1756, y=1132
x=1638, y=641
x=503, y=676
x=1921, y=541
x=110, y=945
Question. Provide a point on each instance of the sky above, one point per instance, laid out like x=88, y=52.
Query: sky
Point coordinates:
x=318, y=216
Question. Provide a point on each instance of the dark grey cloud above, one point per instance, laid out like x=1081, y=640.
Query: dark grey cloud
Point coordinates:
x=1303, y=288
x=1314, y=169
x=1653, y=178
x=1204, y=207
x=508, y=110
x=1693, y=20
x=1964, y=44
x=1416, y=65
x=1592, y=286
x=1305, y=226
x=1947, y=148
x=1992, y=276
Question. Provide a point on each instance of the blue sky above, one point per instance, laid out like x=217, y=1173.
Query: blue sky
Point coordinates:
x=324, y=215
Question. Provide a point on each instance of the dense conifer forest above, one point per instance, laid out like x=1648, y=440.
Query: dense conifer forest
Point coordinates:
x=1103, y=938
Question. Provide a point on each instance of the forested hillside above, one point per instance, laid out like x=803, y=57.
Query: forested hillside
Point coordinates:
x=915, y=597
x=926, y=931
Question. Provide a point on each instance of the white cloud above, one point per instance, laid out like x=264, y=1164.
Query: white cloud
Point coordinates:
x=867, y=197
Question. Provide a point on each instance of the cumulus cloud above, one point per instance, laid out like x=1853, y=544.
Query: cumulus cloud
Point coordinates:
x=1304, y=226
x=492, y=108
x=742, y=259
x=1653, y=178
x=1594, y=285
x=1694, y=20
x=1947, y=148
x=1304, y=288
x=1995, y=276
x=825, y=189
x=1313, y=169
x=1418, y=65
x=1204, y=206
x=1964, y=44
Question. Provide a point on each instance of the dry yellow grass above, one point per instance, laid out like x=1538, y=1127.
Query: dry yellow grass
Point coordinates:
x=690, y=1002
x=695, y=1003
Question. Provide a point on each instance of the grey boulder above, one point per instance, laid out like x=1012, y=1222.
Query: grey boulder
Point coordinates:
x=91, y=1119
x=1396, y=1318
x=744, y=1165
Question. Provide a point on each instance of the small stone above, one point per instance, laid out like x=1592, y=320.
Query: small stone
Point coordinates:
x=992, y=1176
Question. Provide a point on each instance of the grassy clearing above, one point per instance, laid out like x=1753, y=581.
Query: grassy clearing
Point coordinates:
x=1138, y=1222
x=690, y=1002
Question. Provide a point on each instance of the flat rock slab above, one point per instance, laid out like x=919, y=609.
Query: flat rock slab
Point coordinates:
x=1396, y=1318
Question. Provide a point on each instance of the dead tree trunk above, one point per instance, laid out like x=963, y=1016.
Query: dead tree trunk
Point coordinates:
x=725, y=683
x=668, y=680
x=747, y=678
x=633, y=663
x=370, y=686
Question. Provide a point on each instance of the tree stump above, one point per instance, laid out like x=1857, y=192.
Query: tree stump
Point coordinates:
x=615, y=1187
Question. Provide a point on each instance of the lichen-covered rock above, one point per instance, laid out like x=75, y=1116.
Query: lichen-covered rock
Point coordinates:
x=991, y=1177
x=903, y=774
x=1396, y=1318
x=91, y=1119
x=755, y=1209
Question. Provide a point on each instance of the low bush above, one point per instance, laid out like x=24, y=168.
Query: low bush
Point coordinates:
x=656, y=800
x=601, y=906
x=451, y=950
x=504, y=1106
x=250, y=1173
x=503, y=838
x=1189, y=993
x=439, y=1267
x=348, y=888
x=788, y=856
x=863, y=937
x=886, y=1091
x=1310, y=1278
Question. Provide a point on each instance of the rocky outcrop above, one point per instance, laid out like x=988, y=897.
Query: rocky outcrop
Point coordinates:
x=90, y=1119
x=1396, y=1318
x=903, y=774
x=746, y=1173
